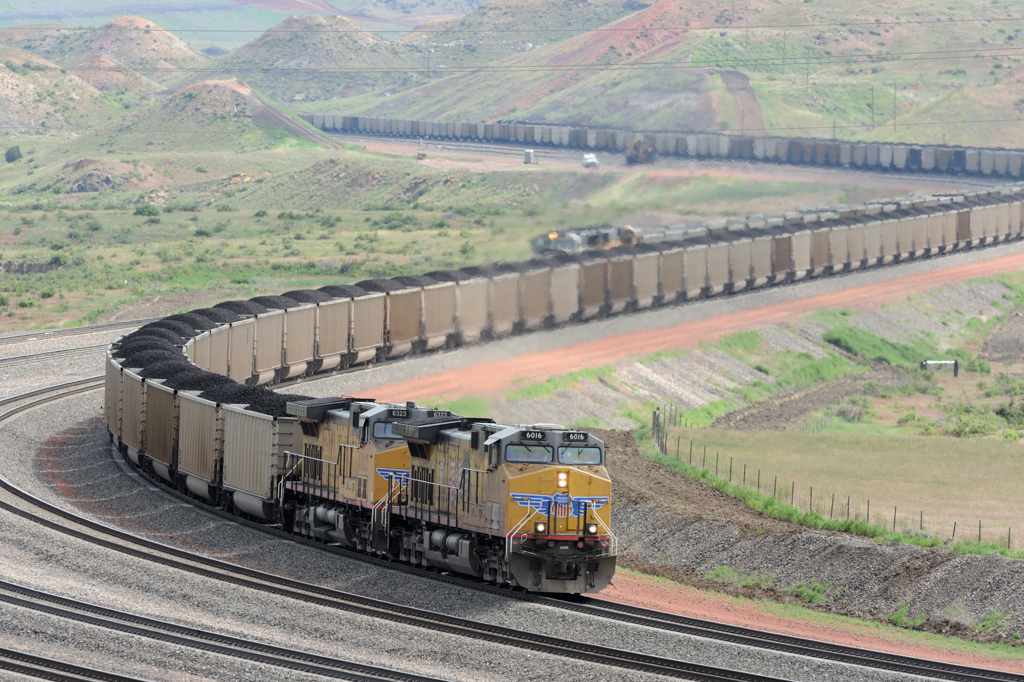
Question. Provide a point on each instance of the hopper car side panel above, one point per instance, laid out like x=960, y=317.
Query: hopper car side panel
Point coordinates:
x=219, y=350
x=112, y=396
x=535, y=298
x=369, y=320
x=503, y=303
x=671, y=285
x=645, y=279
x=161, y=423
x=438, y=314
x=471, y=309
x=241, y=349
x=269, y=345
x=405, y=320
x=334, y=330
x=198, y=438
x=620, y=283
x=695, y=271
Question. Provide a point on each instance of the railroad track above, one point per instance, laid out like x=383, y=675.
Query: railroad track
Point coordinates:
x=40, y=668
x=193, y=638
x=15, y=360
x=75, y=331
x=148, y=550
x=661, y=620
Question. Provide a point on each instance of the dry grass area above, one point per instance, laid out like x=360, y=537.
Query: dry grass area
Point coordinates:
x=947, y=479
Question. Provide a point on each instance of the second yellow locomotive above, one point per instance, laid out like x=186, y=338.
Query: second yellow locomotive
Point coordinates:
x=525, y=506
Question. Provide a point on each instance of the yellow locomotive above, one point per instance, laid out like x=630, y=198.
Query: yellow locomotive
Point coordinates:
x=525, y=506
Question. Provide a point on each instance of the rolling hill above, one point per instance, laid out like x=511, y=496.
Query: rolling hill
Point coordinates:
x=109, y=56
x=35, y=93
x=686, y=65
x=319, y=57
x=211, y=115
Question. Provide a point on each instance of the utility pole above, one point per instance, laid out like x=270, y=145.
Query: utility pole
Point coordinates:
x=732, y=17
x=835, y=117
x=807, y=69
x=783, y=53
x=894, y=106
x=746, y=20
x=872, y=107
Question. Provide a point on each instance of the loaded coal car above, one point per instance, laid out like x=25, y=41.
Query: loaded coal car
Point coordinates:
x=527, y=506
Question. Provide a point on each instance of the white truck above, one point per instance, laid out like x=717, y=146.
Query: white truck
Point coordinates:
x=590, y=160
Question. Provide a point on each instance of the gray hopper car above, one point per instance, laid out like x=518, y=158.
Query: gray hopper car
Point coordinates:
x=879, y=156
x=212, y=449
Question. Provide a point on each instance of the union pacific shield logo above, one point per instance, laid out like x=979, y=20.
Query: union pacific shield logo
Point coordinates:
x=565, y=504
x=399, y=476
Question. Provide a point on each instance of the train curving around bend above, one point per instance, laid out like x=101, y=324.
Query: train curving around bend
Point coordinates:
x=525, y=506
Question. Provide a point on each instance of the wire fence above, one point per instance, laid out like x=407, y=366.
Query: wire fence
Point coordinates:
x=671, y=444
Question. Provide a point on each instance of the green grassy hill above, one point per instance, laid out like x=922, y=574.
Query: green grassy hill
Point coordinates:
x=109, y=56
x=318, y=57
x=35, y=93
x=691, y=66
x=210, y=115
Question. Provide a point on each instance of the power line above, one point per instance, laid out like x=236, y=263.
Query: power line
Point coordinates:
x=191, y=131
x=604, y=29
x=887, y=58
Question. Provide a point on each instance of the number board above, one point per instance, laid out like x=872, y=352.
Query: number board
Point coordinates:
x=574, y=437
x=398, y=413
x=440, y=413
x=534, y=435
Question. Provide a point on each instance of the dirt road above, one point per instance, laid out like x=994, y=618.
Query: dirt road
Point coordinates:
x=494, y=377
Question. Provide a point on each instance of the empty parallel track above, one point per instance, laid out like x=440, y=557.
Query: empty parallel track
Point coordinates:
x=74, y=331
x=46, y=356
x=193, y=638
x=660, y=620
x=38, y=511
x=42, y=668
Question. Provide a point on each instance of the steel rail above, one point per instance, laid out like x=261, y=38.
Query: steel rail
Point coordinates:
x=98, y=379
x=75, y=331
x=149, y=550
x=212, y=642
x=660, y=620
x=42, y=668
x=51, y=354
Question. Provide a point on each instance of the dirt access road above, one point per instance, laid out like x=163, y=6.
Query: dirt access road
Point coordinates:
x=492, y=369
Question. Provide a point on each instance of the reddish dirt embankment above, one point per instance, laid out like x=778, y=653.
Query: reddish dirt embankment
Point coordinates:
x=494, y=377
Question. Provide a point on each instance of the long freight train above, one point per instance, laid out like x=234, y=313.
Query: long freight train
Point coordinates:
x=185, y=400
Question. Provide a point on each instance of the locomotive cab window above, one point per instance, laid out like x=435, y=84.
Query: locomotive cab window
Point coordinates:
x=528, y=454
x=579, y=454
x=382, y=430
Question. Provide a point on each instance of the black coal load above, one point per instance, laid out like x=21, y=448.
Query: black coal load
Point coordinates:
x=165, y=369
x=154, y=332
x=146, y=343
x=276, y=302
x=221, y=315
x=274, y=404
x=416, y=280
x=343, y=291
x=445, y=276
x=242, y=307
x=195, y=379
x=472, y=272
x=185, y=331
x=381, y=285
x=197, y=322
x=233, y=393
x=145, y=358
x=307, y=296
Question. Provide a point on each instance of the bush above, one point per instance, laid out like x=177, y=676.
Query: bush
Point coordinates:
x=147, y=210
x=260, y=214
x=898, y=617
x=12, y=154
x=59, y=259
x=202, y=233
x=152, y=221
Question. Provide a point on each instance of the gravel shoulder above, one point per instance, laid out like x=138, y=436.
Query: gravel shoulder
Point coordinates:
x=76, y=468
x=674, y=527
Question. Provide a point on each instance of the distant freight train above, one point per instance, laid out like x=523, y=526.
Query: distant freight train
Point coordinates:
x=337, y=470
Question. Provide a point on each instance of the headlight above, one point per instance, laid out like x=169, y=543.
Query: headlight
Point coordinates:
x=591, y=529
x=563, y=479
x=540, y=527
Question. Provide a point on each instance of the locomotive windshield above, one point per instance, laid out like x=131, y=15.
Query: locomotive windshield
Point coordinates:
x=579, y=454
x=382, y=430
x=530, y=454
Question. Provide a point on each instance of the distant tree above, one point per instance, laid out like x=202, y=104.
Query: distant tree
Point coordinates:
x=13, y=154
x=147, y=209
